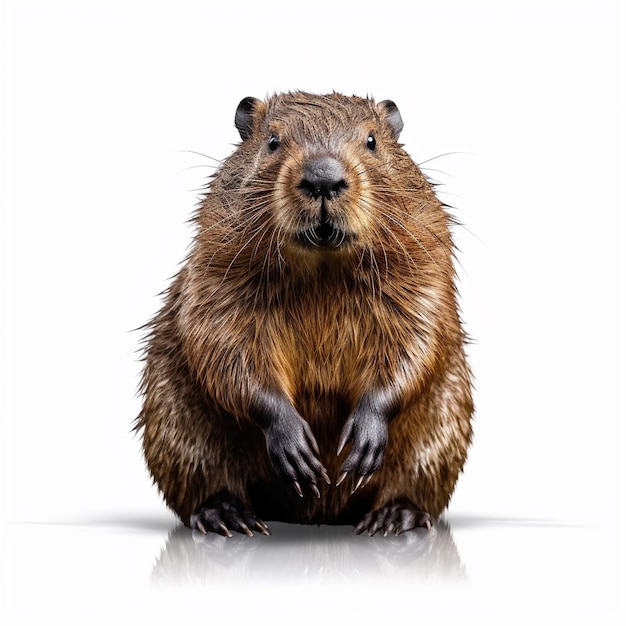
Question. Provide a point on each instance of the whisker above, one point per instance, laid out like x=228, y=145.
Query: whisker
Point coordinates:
x=432, y=169
x=439, y=156
x=410, y=234
x=193, y=167
x=394, y=207
x=400, y=245
x=206, y=156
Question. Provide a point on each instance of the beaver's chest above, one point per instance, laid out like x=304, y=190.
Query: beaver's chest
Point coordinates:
x=339, y=345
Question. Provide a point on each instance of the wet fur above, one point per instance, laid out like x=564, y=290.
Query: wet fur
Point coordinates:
x=252, y=310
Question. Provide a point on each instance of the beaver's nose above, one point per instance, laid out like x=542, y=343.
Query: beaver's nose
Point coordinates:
x=323, y=176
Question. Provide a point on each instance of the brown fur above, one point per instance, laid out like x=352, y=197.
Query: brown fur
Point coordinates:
x=252, y=309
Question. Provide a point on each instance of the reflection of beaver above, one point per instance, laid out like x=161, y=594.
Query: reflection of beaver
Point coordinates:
x=316, y=312
x=330, y=554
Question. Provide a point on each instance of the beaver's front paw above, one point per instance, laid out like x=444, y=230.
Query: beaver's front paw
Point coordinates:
x=368, y=433
x=395, y=517
x=294, y=452
x=222, y=513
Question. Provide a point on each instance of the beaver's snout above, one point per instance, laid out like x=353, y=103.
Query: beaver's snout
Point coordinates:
x=323, y=177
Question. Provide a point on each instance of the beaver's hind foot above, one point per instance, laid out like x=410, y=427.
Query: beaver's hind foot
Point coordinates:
x=222, y=513
x=395, y=517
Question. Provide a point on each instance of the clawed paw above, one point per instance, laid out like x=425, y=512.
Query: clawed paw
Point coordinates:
x=395, y=518
x=368, y=435
x=294, y=454
x=223, y=513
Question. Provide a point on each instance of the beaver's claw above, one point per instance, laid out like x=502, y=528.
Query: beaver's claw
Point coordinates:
x=223, y=513
x=395, y=518
x=368, y=433
x=294, y=452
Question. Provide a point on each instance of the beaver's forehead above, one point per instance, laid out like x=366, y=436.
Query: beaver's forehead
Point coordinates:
x=320, y=113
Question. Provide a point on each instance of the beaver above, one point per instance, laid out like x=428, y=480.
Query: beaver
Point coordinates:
x=312, y=332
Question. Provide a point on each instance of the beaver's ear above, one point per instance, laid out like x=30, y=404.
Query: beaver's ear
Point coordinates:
x=243, y=116
x=390, y=111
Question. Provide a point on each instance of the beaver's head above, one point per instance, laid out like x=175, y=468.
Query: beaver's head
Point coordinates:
x=324, y=165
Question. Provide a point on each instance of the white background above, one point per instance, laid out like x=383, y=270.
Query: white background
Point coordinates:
x=100, y=102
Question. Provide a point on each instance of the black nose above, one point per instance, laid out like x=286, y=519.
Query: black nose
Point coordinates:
x=323, y=176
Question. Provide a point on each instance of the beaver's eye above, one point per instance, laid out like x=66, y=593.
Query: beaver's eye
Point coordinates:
x=371, y=142
x=273, y=142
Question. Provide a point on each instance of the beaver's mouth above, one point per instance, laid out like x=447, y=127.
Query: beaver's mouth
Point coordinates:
x=323, y=235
